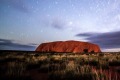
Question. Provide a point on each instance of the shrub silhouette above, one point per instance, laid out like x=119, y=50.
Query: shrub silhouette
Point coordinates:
x=92, y=51
x=85, y=50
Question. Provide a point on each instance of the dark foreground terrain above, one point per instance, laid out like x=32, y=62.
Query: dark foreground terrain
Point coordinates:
x=19, y=65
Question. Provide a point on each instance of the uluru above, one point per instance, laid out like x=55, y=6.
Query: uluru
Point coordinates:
x=68, y=46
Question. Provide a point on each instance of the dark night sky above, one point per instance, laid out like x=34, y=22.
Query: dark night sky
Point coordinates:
x=24, y=24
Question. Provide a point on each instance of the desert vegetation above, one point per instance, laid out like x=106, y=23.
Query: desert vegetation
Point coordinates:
x=60, y=66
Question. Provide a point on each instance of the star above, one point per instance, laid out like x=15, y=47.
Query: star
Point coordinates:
x=70, y=23
x=56, y=2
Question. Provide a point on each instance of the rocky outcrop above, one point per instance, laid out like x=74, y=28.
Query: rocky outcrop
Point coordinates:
x=68, y=46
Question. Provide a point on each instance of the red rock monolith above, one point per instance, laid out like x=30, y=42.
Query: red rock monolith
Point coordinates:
x=68, y=46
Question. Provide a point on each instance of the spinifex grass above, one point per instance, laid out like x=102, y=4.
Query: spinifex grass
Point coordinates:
x=62, y=66
x=15, y=70
x=86, y=67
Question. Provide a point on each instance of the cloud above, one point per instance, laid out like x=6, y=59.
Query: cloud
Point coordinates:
x=11, y=45
x=16, y=4
x=86, y=34
x=58, y=23
x=106, y=40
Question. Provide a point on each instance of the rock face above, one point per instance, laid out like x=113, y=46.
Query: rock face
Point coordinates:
x=68, y=46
